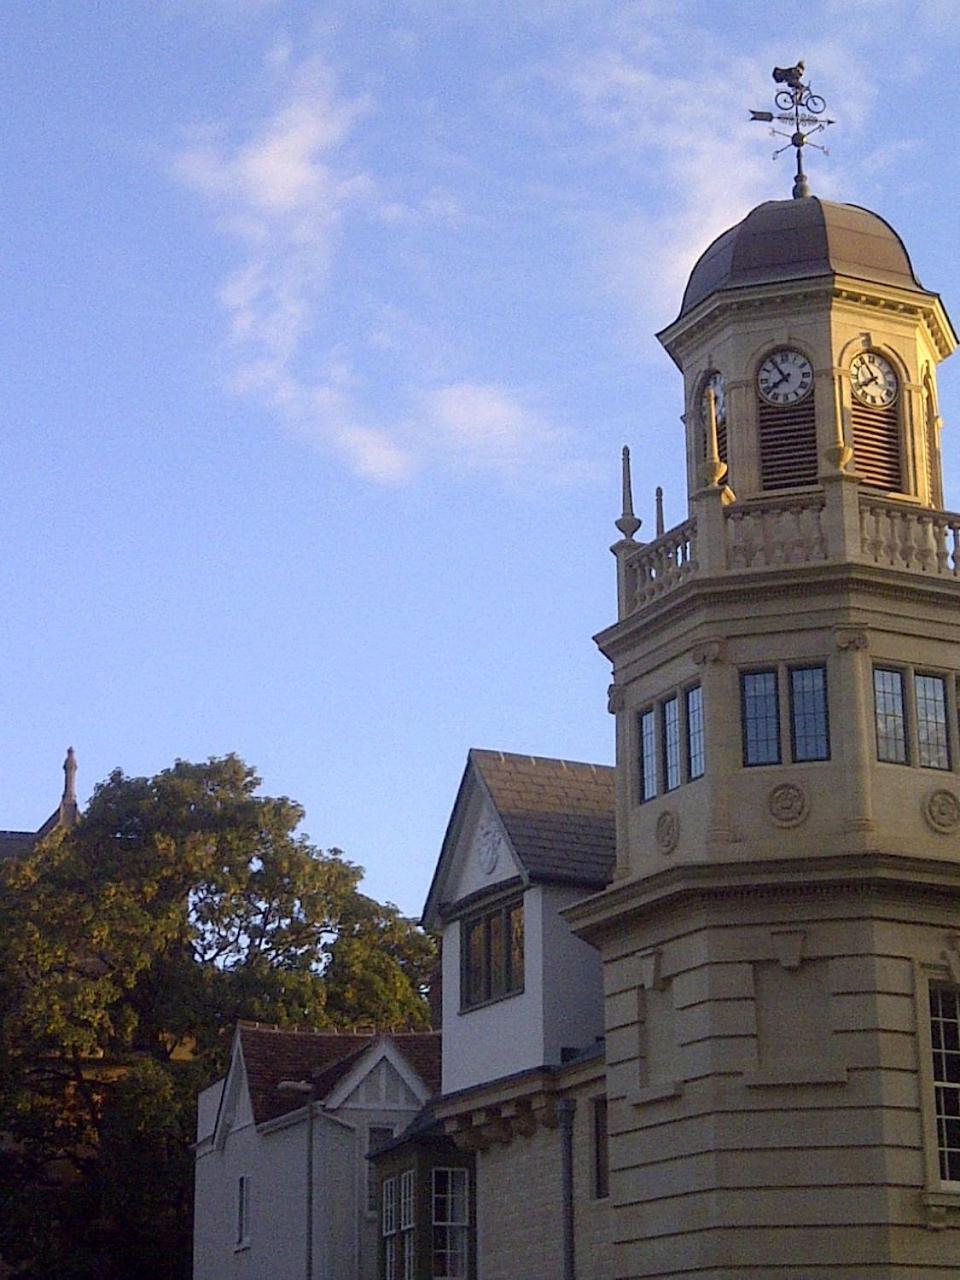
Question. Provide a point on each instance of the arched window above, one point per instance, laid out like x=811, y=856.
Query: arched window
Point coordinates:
x=875, y=418
x=786, y=420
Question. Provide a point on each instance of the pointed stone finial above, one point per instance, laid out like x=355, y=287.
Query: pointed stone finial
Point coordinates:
x=714, y=469
x=70, y=777
x=659, y=512
x=628, y=524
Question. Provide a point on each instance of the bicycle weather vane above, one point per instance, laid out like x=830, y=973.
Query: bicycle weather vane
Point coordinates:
x=799, y=107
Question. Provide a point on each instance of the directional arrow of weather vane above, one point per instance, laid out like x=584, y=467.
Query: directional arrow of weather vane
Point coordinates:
x=803, y=110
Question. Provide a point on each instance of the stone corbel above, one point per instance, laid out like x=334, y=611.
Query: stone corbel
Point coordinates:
x=616, y=698
x=847, y=638
x=951, y=958
x=708, y=651
x=545, y=1111
x=650, y=971
x=519, y=1115
x=788, y=946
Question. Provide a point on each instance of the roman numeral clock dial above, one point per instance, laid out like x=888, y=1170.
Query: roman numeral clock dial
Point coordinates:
x=873, y=379
x=785, y=377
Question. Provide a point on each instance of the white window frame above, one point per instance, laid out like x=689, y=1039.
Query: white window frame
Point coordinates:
x=388, y=1226
x=242, y=1240
x=941, y=1197
x=462, y=1227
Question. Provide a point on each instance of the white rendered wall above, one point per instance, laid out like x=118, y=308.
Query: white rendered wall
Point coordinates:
x=572, y=977
x=501, y=1038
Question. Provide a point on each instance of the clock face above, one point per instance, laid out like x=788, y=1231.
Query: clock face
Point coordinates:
x=873, y=379
x=785, y=377
x=715, y=381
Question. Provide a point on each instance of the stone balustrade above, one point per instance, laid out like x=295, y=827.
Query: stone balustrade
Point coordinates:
x=782, y=531
x=907, y=537
x=657, y=567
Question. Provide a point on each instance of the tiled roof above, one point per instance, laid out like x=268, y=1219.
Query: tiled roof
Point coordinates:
x=271, y=1055
x=559, y=814
x=15, y=844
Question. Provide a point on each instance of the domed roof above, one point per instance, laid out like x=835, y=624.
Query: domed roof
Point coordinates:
x=796, y=239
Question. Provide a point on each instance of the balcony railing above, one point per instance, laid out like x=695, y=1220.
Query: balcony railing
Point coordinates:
x=781, y=531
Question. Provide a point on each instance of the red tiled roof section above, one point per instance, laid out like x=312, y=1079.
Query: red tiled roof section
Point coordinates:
x=271, y=1055
x=559, y=814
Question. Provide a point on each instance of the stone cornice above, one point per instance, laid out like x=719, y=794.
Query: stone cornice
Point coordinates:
x=694, y=884
x=924, y=307
x=739, y=589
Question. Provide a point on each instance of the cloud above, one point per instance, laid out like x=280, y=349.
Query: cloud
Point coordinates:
x=488, y=428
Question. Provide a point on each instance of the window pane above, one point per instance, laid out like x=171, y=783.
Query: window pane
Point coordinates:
x=891, y=724
x=945, y=1030
x=808, y=710
x=406, y=1199
x=476, y=962
x=515, y=927
x=601, y=1158
x=389, y=1213
x=761, y=718
x=671, y=743
x=695, y=749
x=497, y=948
x=932, y=721
x=648, y=755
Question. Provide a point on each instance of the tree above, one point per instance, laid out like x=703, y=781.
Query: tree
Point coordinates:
x=129, y=948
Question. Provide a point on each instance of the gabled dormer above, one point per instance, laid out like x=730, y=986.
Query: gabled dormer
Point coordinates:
x=528, y=836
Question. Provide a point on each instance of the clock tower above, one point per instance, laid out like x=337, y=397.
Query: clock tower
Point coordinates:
x=781, y=941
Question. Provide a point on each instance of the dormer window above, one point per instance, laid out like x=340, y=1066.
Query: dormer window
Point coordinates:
x=875, y=418
x=492, y=954
x=786, y=420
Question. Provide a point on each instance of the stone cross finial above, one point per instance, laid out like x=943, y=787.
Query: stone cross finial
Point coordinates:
x=628, y=524
x=70, y=777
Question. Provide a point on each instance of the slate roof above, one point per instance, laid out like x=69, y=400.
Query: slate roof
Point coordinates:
x=271, y=1055
x=559, y=814
x=16, y=844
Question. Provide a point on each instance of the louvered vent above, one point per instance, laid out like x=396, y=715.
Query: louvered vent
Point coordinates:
x=876, y=445
x=788, y=444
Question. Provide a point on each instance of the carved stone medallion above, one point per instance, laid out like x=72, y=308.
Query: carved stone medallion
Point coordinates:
x=668, y=831
x=942, y=811
x=488, y=848
x=787, y=805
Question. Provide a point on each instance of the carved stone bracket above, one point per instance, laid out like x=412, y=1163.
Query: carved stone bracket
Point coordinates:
x=616, y=698
x=851, y=638
x=650, y=971
x=708, y=651
x=788, y=946
x=668, y=831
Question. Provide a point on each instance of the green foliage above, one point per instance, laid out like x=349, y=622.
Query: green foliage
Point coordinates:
x=129, y=948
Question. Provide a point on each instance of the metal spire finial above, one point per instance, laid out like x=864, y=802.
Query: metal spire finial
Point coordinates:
x=70, y=777
x=798, y=107
x=628, y=524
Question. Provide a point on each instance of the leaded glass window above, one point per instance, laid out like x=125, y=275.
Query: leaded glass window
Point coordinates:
x=648, y=755
x=695, y=744
x=761, y=717
x=945, y=1038
x=890, y=716
x=671, y=743
x=933, y=745
x=808, y=714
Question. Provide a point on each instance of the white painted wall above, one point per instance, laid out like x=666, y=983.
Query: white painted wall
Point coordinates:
x=498, y=1039
x=573, y=977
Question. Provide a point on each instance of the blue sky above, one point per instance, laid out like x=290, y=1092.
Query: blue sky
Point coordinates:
x=325, y=325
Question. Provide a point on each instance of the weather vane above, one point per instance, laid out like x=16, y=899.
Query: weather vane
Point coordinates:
x=798, y=107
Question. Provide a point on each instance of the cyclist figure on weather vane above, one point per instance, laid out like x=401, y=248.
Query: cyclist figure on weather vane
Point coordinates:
x=801, y=109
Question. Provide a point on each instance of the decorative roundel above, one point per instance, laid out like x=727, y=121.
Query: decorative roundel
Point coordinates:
x=715, y=382
x=488, y=848
x=873, y=379
x=787, y=805
x=785, y=377
x=942, y=810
